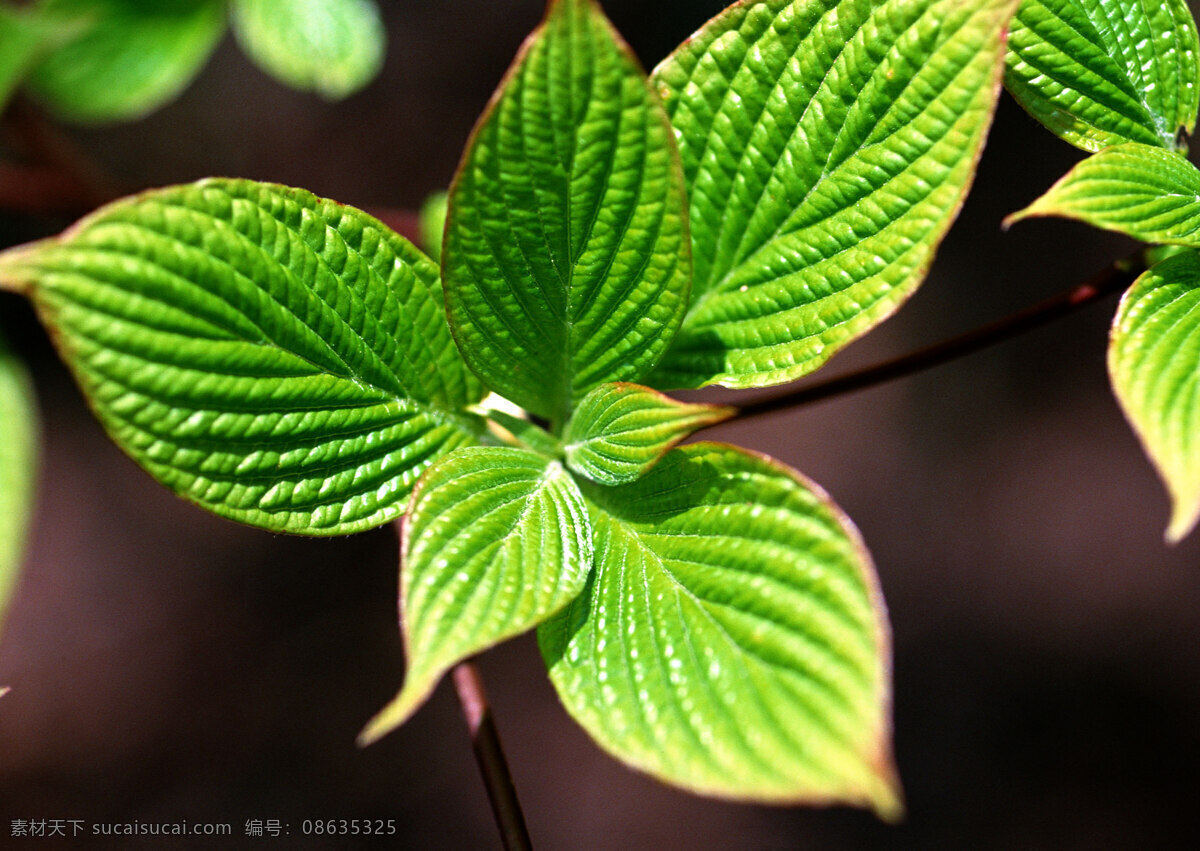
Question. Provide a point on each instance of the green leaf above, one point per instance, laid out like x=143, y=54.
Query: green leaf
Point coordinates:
x=566, y=258
x=620, y=430
x=827, y=147
x=133, y=57
x=331, y=47
x=18, y=456
x=1154, y=364
x=277, y=358
x=731, y=639
x=522, y=430
x=497, y=541
x=1141, y=191
x=432, y=222
x=1102, y=72
x=19, y=46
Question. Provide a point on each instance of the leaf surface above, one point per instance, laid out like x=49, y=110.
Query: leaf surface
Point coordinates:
x=1141, y=191
x=132, y=56
x=277, y=358
x=620, y=430
x=497, y=541
x=731, y=639
x=331, y=47
x=566, y=257
x=827, y=147
x=1154, y=364
x=1102, y=72
x=18, y=456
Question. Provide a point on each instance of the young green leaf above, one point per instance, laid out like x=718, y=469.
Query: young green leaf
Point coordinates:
x=1141, y=191
x=1154, y=364
x=731, y=639
x=1103, y=72
x=827, y=147
x=566, y=257
x=18, y=453
x=497, y=540
x=132, y=57
x=331, y=47
x=277, y=358
x=620, y=430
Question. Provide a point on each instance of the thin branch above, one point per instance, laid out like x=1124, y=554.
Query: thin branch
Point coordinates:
x=1112, y=280
x=489, y=755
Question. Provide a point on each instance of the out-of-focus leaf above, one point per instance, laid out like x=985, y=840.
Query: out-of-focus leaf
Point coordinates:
x=277, y=358
x=18, y=455
x=331, y=47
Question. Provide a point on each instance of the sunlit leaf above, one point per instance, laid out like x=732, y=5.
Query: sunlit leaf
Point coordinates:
x=277, y=358
x=731, y=639
x=331, y=47
x=827, y=147
x=1154, y=363
x=620, y=430
x=497, y=541
x=566, y=258
x=1103, y=72
x=132, y=57
x=18, y=452
x=1141, y=191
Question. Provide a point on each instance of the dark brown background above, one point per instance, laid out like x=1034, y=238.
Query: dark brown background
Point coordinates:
x=167, y=665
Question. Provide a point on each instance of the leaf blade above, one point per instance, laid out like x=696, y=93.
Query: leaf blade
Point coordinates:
x=731, y=639
x=620, y=430
x=482, y=520
x=331, y=47
x=18, y=462
x=566, y=259
x=1105, y=72
x=277, y=358
x=1153, y=353
x=827, y=147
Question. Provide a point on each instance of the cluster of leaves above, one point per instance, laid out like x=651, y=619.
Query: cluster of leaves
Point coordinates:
x=1121, y=80
x=770, y=192
x=116, y=60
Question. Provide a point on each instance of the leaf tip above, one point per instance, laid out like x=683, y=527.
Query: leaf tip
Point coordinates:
x=410, y=698
x=1184, y=516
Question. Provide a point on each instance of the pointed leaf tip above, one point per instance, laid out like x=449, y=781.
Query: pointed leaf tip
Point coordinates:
x=1154, y=365
x=496, y=541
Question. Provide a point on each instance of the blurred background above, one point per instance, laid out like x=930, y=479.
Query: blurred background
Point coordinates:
x=167, y=665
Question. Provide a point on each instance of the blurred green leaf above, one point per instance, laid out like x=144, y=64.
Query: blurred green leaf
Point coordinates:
x=132, y=57
x=1103, y=72
x=1142, y=191
x=18, y=458
x=497, y=540
x=566, y=257
x=827, y=147
x=432, y=223
x=331, y=47
x=731, y=639
x=1154, y=364
x=277, y=358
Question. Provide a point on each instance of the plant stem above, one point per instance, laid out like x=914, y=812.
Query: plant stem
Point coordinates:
x=1112, y=280
x=489, y=755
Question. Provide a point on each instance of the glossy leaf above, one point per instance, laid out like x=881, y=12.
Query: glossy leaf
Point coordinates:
x=497, y=541
x=18, y=453
x=620, y=430
x=1103, y=72
x=566, y=258
x=1138, y=190
x=331, y=47
x=133, y=57
x=827, y=147
x=731, y=639
x=1154, y=363
x=277, y=358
